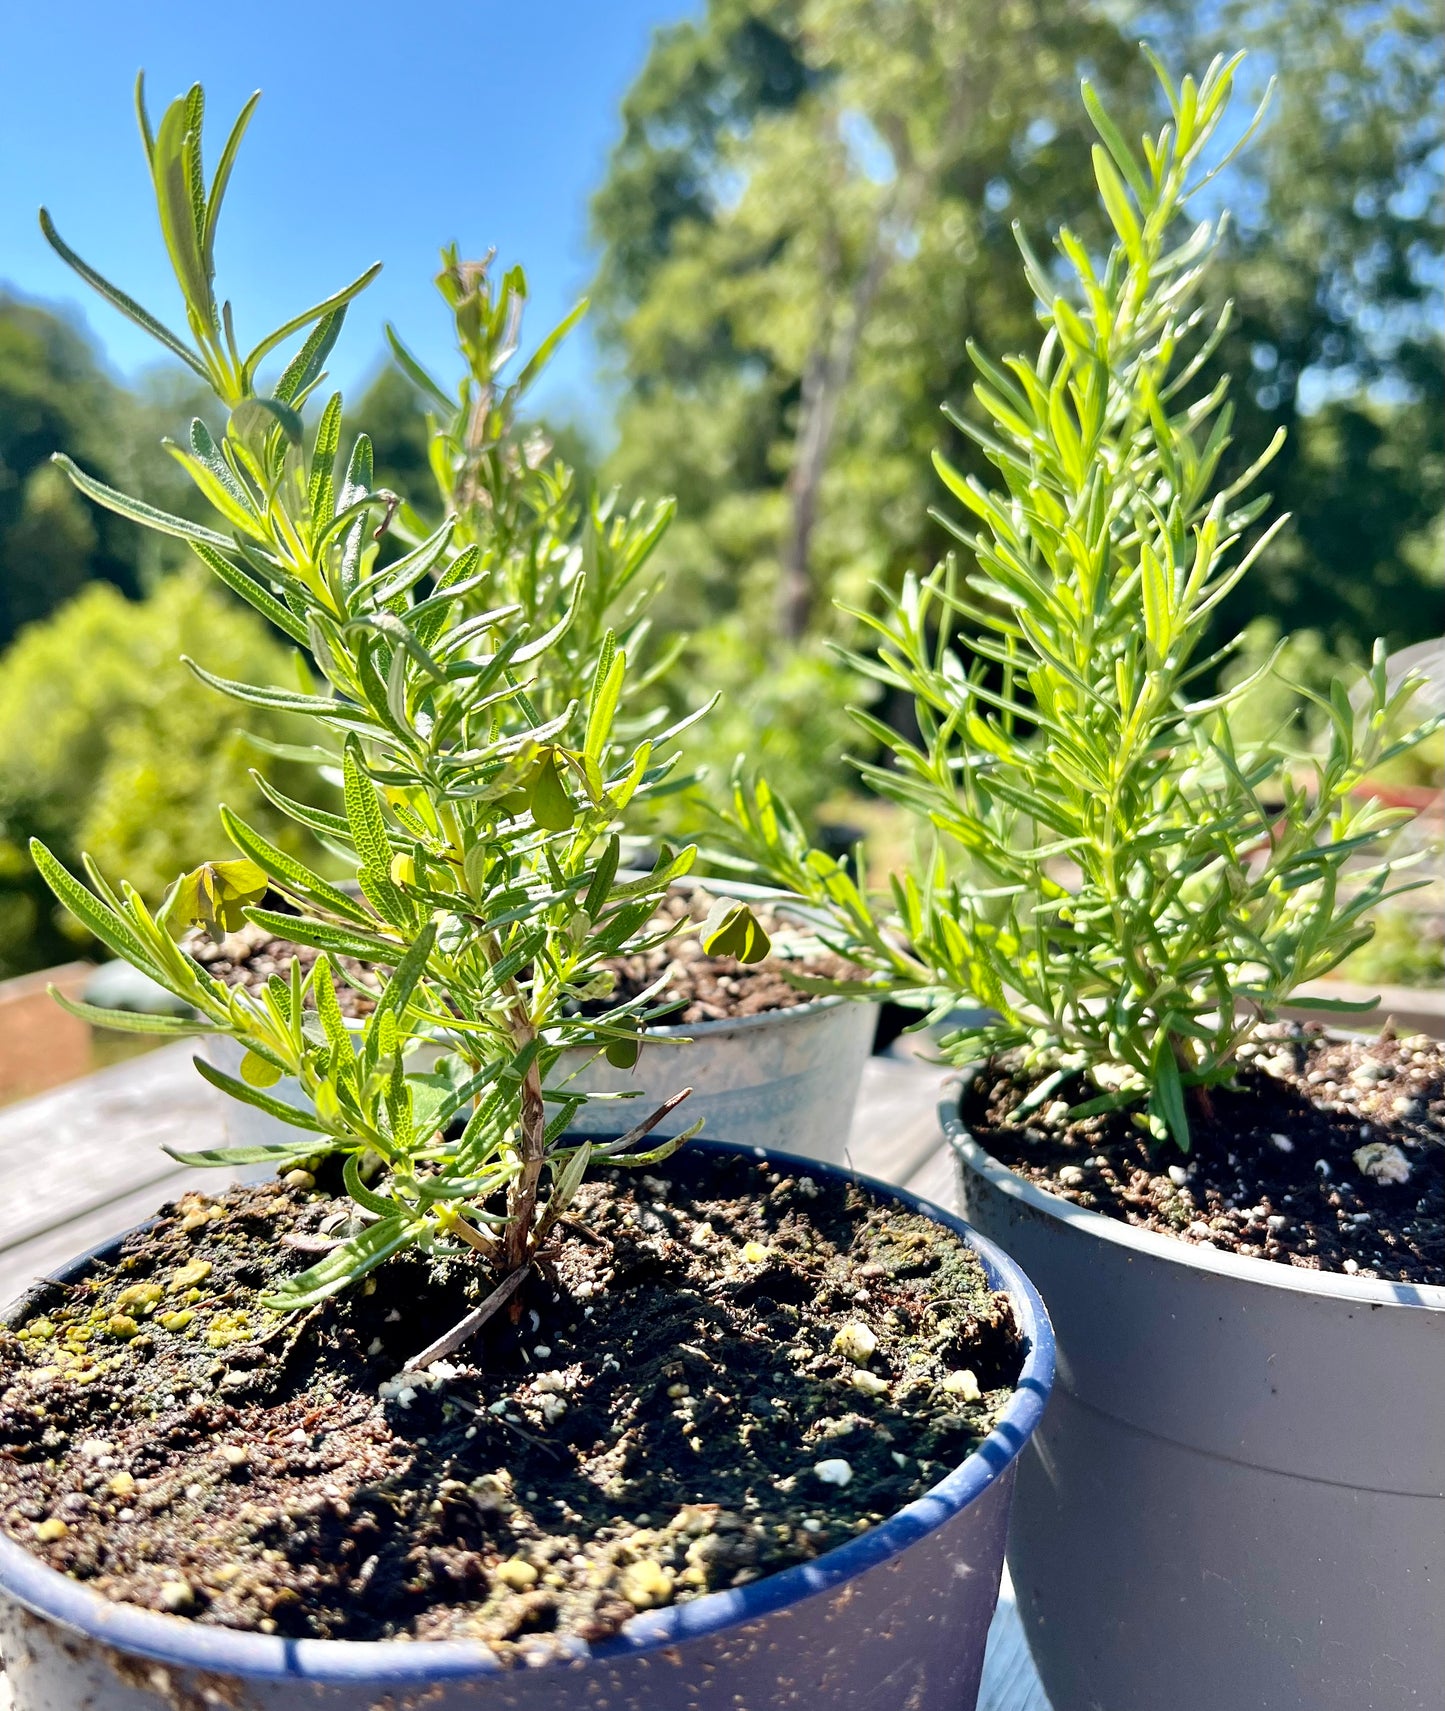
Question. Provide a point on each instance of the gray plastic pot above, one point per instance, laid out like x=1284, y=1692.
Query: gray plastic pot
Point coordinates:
x=895, y=1618
x=1236, y=1501
x=790, y=1075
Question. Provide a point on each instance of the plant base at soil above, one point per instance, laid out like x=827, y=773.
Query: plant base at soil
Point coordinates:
x=1330, y=1155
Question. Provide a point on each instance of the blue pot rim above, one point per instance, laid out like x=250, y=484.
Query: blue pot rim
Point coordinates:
x=400, y=1664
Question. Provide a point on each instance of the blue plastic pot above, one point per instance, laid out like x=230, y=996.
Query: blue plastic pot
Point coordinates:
x=894, y=1620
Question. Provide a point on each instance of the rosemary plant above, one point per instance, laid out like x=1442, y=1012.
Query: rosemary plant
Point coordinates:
x=482, y=828
x=552, y=550
x=1124, y=888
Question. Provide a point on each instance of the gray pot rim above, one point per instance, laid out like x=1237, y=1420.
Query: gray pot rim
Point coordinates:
x=742, y=1024
x=1367, y=1291
x=403, y=1664
x=685, y=1031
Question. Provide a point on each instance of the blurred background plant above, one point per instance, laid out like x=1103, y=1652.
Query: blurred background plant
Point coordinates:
x=109, y=743
x=806, y=213
x=809, y=214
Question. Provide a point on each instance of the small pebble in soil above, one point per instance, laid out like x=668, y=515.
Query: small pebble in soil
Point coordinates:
x=645, y=1584
x=1385, y=1163
x=856, y=1342
x=834, y=1471
x=1371, y=1074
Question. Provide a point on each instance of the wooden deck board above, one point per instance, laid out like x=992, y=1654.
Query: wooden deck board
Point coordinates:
x=84, y=1162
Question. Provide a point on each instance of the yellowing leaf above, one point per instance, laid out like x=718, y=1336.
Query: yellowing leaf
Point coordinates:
x=731, y=929
x=214, y=896
x=256, y=1072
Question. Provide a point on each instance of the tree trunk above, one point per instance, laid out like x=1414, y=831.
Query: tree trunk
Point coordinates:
x=826, y=375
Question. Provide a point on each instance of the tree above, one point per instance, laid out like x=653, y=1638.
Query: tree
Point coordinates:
x=1334, y=270
x=54, y=396
x=808, y=216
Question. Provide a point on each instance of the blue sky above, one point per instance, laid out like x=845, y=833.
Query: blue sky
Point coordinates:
x=387, y=127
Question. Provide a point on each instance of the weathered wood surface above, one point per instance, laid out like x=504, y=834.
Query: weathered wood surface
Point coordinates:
x=84, y=1162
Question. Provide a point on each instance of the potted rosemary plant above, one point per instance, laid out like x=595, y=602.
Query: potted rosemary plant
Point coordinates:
x=465, y=1407
x=761, y=1056
x=1237, y=1496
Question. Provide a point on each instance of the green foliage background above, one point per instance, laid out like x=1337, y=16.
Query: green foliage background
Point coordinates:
x=54, y=396
x=108, y=743
x=810, y=188
x=806, y=214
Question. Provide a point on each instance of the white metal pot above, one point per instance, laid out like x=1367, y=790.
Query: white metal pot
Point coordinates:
x=786, y=1077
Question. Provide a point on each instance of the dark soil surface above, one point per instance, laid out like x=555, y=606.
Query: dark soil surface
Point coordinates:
x=734, y=1371
x=250, y=956
x=704, y=988
x=1330, y=1155
x=713, y=989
